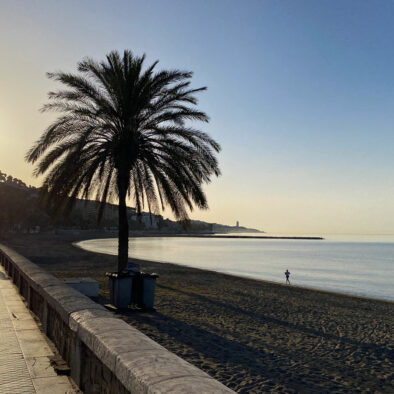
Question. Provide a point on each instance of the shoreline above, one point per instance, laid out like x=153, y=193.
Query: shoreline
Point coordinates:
x=252, y=335
x=145, y=261
x=265, y=281
x=311, y=288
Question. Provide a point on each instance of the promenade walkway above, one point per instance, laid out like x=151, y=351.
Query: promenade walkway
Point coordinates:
x=24, y=350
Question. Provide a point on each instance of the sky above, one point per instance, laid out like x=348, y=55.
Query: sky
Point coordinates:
x=300, y=96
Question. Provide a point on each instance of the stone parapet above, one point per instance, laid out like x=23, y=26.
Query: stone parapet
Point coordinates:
x=105, y=354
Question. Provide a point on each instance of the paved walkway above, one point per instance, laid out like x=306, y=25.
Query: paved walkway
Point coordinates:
x=24, y=350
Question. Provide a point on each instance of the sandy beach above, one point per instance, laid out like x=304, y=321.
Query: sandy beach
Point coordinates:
x=253, y=336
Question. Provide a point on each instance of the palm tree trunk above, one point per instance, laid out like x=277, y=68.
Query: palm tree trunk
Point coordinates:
x=123, y=243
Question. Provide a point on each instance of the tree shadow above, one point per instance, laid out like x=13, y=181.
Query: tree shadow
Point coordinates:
x=382, y=351
x=292, y=368
x=231, y=355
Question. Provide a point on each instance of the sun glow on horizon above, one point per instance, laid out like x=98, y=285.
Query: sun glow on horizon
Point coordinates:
x=307, y=138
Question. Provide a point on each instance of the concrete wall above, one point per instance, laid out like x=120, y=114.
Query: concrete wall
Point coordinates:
x=105, y=354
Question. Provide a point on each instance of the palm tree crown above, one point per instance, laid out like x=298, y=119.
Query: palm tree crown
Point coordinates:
x=124, y=132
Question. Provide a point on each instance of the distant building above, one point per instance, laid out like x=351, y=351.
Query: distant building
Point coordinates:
x=149, y=221
x=90, y=208
x=237, y=225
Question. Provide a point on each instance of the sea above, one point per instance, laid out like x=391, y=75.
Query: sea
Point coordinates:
x=361, y=265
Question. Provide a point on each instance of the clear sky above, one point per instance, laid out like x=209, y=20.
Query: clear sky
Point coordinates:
x=300, y=95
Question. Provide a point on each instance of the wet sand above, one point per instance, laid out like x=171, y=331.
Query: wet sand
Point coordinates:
x=253, y=336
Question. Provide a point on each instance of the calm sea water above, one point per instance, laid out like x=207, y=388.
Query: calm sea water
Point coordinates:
x=360, y=265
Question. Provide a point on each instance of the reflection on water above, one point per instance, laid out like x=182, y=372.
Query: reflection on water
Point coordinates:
x=361, y=265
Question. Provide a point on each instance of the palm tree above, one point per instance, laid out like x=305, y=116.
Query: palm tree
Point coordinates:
x=124, y=133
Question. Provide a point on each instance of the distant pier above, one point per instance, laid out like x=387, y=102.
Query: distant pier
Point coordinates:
x=250, y=236
x=134, y=235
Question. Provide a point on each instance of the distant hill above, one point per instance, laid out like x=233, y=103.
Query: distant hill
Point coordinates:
x=224, y=229
x=20, y=210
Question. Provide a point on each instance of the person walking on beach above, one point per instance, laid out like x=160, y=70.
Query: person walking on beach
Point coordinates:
x=287, y=273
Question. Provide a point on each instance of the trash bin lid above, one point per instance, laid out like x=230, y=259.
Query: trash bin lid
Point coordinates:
x=152, y=275
x=123, y=274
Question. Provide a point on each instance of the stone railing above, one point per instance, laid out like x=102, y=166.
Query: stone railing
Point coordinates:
x=104, y=353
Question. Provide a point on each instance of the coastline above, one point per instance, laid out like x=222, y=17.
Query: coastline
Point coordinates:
x=252, y=335
x=144, y=262
x=314, y=264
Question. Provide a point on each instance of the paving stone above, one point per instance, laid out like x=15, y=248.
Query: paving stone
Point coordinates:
x=33, y=344
x=17, y=387
x=13, y=298
x=21, y=308
x=12, y=368
x=7, y=288
x=14, y=302
x=9, y=342
x=25, y=324
x=24, y=350
x=8, y=291
x=40, y=367
x=21, y=315
x=53, y=385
